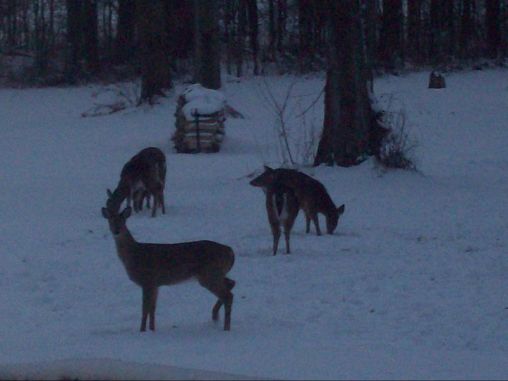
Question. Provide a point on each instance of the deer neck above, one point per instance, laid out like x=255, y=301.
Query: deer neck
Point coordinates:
x=125, y=245
x=121, y=192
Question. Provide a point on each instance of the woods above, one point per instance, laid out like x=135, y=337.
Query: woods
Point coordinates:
x=76, y=41
x=94, y=37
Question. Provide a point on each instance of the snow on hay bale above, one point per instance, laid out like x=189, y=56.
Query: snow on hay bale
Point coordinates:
x=199, y=120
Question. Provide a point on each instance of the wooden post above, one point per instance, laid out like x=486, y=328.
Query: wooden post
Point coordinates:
x=198, y=137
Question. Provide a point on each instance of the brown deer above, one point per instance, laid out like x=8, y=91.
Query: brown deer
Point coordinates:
x=144, y=175
x=282, y=208
x=151, y=265
x=311, y=195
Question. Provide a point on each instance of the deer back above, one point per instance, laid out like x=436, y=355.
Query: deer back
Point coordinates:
x=166, y=264
x=145, y=170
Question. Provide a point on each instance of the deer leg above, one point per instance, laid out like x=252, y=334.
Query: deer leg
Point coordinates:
x=215, y=310
x=288, y=225
x=145, y=307
x=307, y=223
x=276, y=237
x=316, y=223
x=149, y=302
x=228, y=304
x=153, y=305
x=148, y=201
x=162, y=202
x=286, y=236
x=222, y=289
x=154, y=207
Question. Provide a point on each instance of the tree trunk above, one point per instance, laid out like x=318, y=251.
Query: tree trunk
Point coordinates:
x=370, y=35
x=40, y=38
x=241, y=33
x=272, y=35
x=414, y=31
x=436, y=42
x=124, y=42
x=229, y=34
x=390, y=42
x=90, y=35
x=74, y=40
x=493, y=25
x=252, y=14
x=450, y=43
x=155, y=65
x=304, y=35
x=282, y=12
x=349, y=131
x=207, y=48
x=466, y=29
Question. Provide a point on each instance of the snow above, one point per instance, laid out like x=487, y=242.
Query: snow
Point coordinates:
x=413, y=284
x=201, y=100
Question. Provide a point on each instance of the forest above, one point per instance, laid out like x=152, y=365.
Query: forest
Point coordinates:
x=73, y=41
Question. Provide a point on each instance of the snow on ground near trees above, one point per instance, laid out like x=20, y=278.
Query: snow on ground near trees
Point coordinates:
x=413, y=284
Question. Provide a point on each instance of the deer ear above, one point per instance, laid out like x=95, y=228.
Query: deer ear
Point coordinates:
x=341, y=209
x=105, y=213
x=110, y=194
x=127, y=212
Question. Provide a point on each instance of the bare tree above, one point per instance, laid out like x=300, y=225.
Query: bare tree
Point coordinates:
x=207, y=49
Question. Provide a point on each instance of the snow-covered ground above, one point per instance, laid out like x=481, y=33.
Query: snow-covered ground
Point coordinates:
x=413, y=284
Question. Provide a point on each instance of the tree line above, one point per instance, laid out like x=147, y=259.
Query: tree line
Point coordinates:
x=88, y=37
x=160, y=40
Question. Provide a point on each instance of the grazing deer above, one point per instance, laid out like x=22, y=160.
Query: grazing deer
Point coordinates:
x=311, y=195
x=282, y=208
x=151, y=265
x=143, y=175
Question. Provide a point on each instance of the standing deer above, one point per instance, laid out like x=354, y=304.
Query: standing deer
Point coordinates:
x=281, y=208
x=144, y=175
x=151, y=265
x=311, y=195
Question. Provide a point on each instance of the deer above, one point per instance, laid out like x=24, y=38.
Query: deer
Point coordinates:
x=282, y=209
x=311, y=195
x=144, y=175
x=151, y=265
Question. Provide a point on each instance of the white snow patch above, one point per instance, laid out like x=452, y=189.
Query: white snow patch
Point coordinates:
x=413, y=284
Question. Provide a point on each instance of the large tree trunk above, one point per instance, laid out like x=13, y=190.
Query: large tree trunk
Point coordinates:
x=207, y=48
x=349, y=131
x=155, y=65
